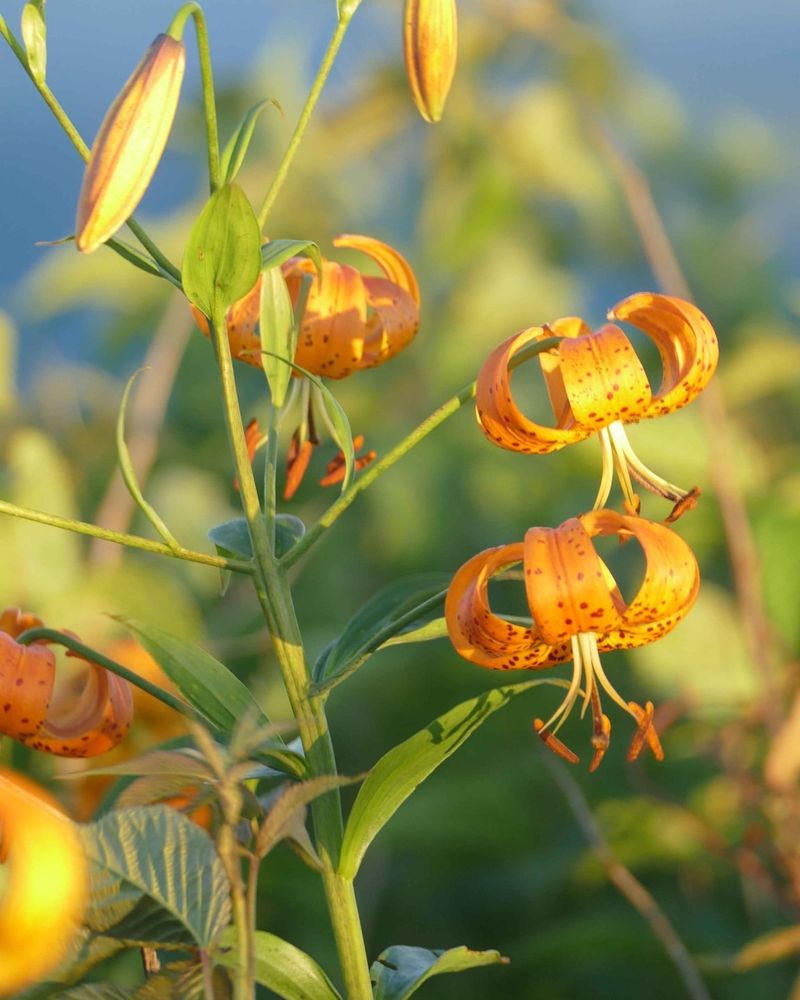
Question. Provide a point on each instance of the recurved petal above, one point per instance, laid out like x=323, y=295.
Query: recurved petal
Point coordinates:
x=568, y=587
x=331, y=340
x=686, y=342
x=47, y=883
x=129, y=144
x=484, y=638
x=392, y=263
x=393, y=324
x=27, y=676
x=14, y=622
x=498, y=415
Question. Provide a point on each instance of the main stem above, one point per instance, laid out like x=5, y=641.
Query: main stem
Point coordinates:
x=276, y=602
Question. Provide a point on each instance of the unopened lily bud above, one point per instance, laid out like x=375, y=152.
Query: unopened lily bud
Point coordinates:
x=129, y=144
x=431, y=46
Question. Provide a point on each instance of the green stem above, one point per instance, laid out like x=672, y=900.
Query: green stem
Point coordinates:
x=120, y=538
x=76, y=139
x=195, y=11
x=276, y=602
x=87, y=653
x=270, y=475
x=305, y=117
x=420, y=432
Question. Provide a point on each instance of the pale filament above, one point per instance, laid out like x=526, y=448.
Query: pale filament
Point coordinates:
x=636, y=467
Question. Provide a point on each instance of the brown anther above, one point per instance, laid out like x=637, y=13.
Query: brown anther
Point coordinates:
x=685, y=503
x=296, y=464
x=601, y=737
x=554, y=743
x=646, y=731
x=335, y=470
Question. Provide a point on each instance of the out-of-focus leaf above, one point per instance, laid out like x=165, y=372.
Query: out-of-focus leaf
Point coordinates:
x=772, y=947
x=233, y=537
x=405, y=766
x=8, y=364
x=96, y=991
x=34, y=34
x=281, y=967
x=400, y=970
x=223, y=253
x=236, y=148
x=166, y=858
x=207, y=684
x=278, y=333
x=393, y=610
x=276, y=252
x=172, y=763
x=280, y=818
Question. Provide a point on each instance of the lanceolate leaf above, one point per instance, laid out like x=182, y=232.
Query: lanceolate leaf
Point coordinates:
x=395, y=609
x=236, y=149
x=223, y=254
x=276, y=252
x=280, y=819
x=400, y=971
x=282, y=968
x=159, y=853
x=405, y=766
x=278, y=333
x=208, y=685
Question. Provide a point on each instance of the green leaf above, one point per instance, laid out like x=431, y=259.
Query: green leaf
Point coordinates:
x=223, y=255
x=276, y=252
x=232, y=538
x=34, y=35
x=96, y=991
x=291, y=801
x=172, y=763
x=774, y=946
x=129, y=473
x=281, y=967
x=157, y=852
x=236, y=148
x=400, y=971
x=405, y=766
x=393, y=610
x=278, y=333
x=217, y=693
x=334, y=417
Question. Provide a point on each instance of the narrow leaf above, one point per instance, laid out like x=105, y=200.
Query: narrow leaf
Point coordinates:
x=129, y=473
x=176, y=763
x=223, y=254
x=161, y=854
x=281, y=967
x=34, y=35
x=394, y=609
x=775, y=946
x=207, y=684
x=278, y=333
x=405, y=766
x=280, y=819
x=277, y=252
x=236, y=148
x=96, y=991
x=400, y=971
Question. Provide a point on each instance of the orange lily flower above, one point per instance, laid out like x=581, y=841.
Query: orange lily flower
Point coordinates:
x=87, y=717
x=596, y=383
x=577, y=612
x=46, y=889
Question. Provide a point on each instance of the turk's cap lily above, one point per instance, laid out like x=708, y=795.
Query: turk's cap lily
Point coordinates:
x=84, y=717
x=577, y=610
x=47, y=883
x=430, y=46
x=351, y=320
x=596, y=383
x=130, y=143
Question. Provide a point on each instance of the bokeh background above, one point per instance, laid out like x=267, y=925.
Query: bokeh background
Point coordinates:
x=511, y=216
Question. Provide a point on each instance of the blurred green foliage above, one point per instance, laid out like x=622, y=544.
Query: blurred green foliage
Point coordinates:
x=511, y=218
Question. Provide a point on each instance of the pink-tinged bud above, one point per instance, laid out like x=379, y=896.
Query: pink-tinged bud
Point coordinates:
x=431, y=45
x=129, y=144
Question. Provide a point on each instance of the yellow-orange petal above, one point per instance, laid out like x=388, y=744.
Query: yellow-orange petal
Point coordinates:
x=498, y=415
x=393, y=324
x=129, y=144
x=685, y=340
x=430, y=44
x=331, y=340
x=392, y=262
x=27, y=676
x=567, y=584
x=47, y=883
x=14, y=622
x=484, y=638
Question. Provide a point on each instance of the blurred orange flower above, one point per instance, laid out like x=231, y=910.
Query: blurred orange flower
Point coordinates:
x=47, y=883
x=88, y=715
x=577, y=611
x=596, y=383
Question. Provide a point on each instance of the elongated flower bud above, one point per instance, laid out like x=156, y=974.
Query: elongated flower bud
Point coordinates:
x=431, y=46
x=129, y=144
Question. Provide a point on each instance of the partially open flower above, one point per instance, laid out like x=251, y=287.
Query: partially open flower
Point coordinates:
x=430, y=44
x=47, y=883
x=596, y=383
x=86, y=716
x=129, y=144
x=577, y=612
